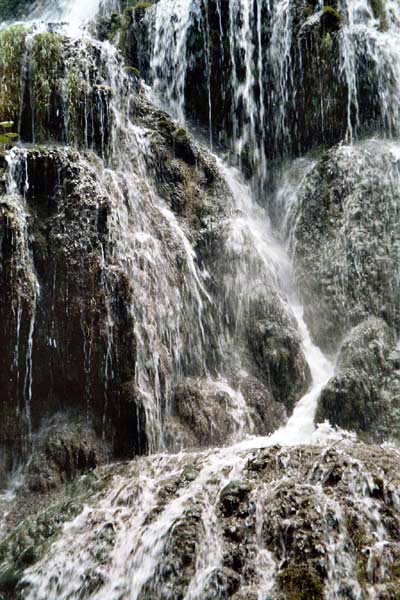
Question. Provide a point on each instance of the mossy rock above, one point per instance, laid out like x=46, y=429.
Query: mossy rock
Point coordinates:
x=301, y=583
x=308, y=10
x=379, y=10
x=142, y=5
x=335, y=14
x=132, y=71
x=331, y=19
x=181, y=135
x=134, y=4
x=136, y=12
x=183, y=146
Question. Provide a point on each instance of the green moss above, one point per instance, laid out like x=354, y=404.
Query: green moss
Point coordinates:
x=308, y=11
x=137, y=5
x=165, y=126
x=133, y=14
x=47, y=61
x=12, y=50
x=115, y=24
x=327, y=43
x=143, y=5
x=132, y=71
x=379, y=10
x=78, y=90
x=333, y=13
x=7, y=137
x=181, y=135
x=301, y=583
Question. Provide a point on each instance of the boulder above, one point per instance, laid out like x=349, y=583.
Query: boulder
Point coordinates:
x=346, y=240
x=363, y=396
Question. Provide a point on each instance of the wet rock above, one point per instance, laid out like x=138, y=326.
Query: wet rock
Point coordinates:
x=363, y=395
x=287, y=528
x=65, y=448
x=267, y=414
x=178, y=564
x=346, y=237
x=277, y=351
x=301, y=583
x=203, y=408
x=204, y=412
x=54, y=304
x=232, y=496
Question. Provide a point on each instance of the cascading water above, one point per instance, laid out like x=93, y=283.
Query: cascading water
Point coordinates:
x=169, y=526
x=264, y=100
x=273, y=256
x=366, y=34
x=27, y=291
x=170, y=336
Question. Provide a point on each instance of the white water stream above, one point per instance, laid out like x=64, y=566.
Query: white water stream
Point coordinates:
x=254, y=220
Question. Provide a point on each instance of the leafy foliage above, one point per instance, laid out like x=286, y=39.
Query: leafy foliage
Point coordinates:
x=7, y=137
x=12, y=48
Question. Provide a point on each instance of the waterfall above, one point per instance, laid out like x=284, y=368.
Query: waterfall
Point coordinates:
x=27, y=289
x=265, y=74
x=377, y=37
x=300, y=427
x=151, y=249
x=231, y=501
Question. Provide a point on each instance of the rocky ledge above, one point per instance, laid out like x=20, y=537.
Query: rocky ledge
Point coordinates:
x=297, y=523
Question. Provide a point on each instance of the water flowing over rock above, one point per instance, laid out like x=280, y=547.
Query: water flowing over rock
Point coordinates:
x=346, y=239
x=305, y=522
x=294, y=71
x=138, y=213
x=169, y=429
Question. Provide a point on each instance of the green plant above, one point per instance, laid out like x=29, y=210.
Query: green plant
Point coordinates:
x=7, y=137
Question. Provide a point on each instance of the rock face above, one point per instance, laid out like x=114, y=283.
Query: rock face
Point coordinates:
x=64, y=448
x=54, y=306
x=306, y=522
x=116, y=294
x=346, y=240
x=67, y=329
x=364, y=395
x=277, y=352
x=310, y=84
x=311, y=39
x=208, y=412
